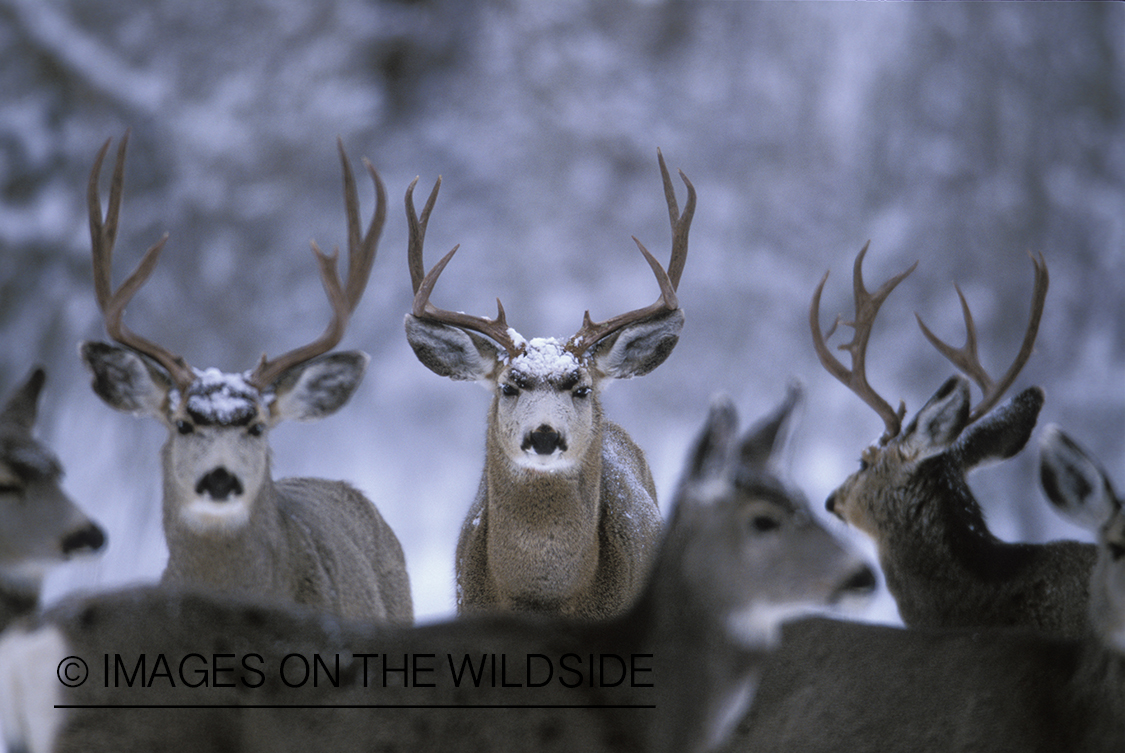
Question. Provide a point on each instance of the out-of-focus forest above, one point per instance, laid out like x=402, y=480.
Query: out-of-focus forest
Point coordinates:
x=961, y=135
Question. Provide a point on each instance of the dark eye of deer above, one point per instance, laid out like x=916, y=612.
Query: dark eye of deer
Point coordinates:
x=509, y=390
x=764, y=523
x=256, y=430
x=184, y=427
x=582, y=392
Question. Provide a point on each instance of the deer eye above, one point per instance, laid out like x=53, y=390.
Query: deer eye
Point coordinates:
x=582, y=392
x=509, y=390
x=256, y=430
x=764, y=523
x=184, y=427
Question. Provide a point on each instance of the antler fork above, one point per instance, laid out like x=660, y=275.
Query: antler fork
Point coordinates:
x=866, y=308
x=966, y=359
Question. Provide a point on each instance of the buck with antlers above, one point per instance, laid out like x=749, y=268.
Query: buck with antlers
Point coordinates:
x=39, y=524
x=942, y=564
x=229, y=525
x=840, y=686
x=565, y=519
x=742, y=552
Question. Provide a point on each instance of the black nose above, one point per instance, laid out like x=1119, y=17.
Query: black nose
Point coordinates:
x=219, y=484
x=90, y=538
x=544, y=440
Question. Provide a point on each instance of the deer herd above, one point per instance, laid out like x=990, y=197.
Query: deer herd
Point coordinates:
x=588, y=619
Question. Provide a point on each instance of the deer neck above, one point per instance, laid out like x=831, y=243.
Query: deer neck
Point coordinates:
x=704, y=679
x=934, y=530
x=246, y=559
x=542, y=535
x=18, y=597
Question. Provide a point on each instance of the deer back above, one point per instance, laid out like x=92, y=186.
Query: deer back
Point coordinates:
x=837, y=686
x=670, y=674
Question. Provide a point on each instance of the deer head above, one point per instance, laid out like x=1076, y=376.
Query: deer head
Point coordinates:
x=216, y=460
x=39, y=524
x=945, y=430
x=546, y=412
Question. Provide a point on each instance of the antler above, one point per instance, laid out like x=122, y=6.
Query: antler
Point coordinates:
x=343, y=299
x=966, y=359
x=866, y=307
x=103, y=234
x=423, y=283
x=593, y=332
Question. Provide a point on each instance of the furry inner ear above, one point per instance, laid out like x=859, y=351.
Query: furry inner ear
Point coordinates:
x=639, y=348
x=317, y=388
x=126, y=380
x=452, y=352
x=1073, y=481
x=940, y=421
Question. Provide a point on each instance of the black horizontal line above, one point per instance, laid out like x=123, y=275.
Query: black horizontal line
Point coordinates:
x=349, y=706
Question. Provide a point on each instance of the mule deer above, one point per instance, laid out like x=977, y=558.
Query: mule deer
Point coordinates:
x=741, y=553
x=39, y=524
x=228, y=525
x=838, y=686
x=566, y=518
x=942, y=564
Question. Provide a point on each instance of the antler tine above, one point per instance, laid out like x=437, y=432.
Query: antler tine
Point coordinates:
x=592, y=332
x=966, y=357
x=681, y=223
x=361, y=249
x=423, y=282
x=866, y=308
x=342, y=299
x=103, y=235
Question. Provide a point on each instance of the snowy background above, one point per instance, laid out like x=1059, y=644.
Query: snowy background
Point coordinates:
x=963, y=135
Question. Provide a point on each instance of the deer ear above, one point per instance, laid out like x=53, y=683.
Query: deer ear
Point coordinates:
x=22, y=406
x=1003, y=432
x=638, y=349
x=1073, y=481
x=711, y=452
x=317, y=388
x=126, y=380
x=761, y=445
x=450, y=351
x=940, y=421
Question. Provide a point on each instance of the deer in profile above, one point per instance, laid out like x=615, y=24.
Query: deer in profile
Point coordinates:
x=565, y=519
x=39, y=524
x=741, y=553
x=841, y=686
x=942, y=564
x=229, y=526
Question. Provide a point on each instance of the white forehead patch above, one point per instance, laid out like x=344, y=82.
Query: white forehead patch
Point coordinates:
x=545, y=358
x=218, y=398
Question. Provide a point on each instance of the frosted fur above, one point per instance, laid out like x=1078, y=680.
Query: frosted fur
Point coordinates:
x=221, y=398
x=544, y=358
